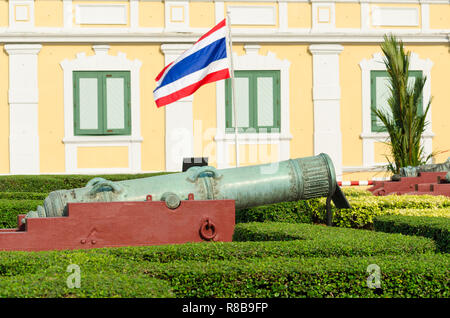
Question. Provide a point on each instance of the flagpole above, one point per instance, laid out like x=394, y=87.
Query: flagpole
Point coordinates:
x=233, y=95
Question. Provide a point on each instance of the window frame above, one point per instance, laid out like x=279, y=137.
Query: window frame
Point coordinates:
x=383, y=73
x=253, y=76
x=101, y=77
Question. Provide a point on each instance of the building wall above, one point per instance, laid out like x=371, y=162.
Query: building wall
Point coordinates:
x=4, y=13
x=440, y=110
x=296, y=32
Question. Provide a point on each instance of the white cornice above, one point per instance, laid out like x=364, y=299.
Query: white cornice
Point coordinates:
x=239, y=36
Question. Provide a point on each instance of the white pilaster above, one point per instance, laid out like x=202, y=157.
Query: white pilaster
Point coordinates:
x=327, y=97
x=283, y=16
x=179, y=119
x=68, y=13
x=134, y=14
x=425, y=14
x=23, y=103
x=219, y=9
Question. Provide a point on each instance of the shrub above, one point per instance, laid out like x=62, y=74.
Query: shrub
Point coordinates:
x=300, y=261
x=259, y=240
x=52, y=285
x=365, y=207
x=424, y=275
x=436, y=228
x=404, y=121
x=290, y=212
x=48, y=183
x=10, y=209
x=23, y=196
x=444, y=212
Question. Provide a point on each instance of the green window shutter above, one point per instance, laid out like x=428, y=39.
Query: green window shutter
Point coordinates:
x=102, y=103
x=116, y=97
x=88, y=114
x=257, y=100
x=379, y=93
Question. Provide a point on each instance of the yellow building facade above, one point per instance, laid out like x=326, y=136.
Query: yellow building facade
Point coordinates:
x=77, y=81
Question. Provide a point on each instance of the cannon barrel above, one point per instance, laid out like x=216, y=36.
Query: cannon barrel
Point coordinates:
x=249, y=186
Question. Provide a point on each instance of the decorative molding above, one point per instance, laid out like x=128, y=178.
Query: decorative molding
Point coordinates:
x=101, y=13
x=176, y=16
x=21, y=13
x=252, y=60
x=23, y=108
x=253, y=14
x=395, y=16
x=368, y=137
x=243, y=35
x=323, y=16
x=102, y=61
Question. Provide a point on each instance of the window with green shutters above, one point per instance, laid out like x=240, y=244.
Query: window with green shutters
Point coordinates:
x=102, y=103
x=380, y=92
x=257, y=101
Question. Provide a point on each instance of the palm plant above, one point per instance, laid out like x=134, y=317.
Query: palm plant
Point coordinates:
x=404, y=123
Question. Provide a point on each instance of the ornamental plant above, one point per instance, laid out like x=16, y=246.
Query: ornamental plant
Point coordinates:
x=404, y=123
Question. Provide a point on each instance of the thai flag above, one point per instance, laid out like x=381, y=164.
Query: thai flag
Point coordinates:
x=205, y=62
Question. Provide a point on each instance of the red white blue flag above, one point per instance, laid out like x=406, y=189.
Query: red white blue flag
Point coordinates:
x=205, y=62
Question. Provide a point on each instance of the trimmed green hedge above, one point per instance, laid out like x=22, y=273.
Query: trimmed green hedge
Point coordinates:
x=44, y=274
x=424, y=275
x=53, y=285
x=302, y=263
x=23, y=195
x=259, y=240
x=10, y=209
x=436, y=228
x=289, y=212
x=365, y=207
x=49, y=183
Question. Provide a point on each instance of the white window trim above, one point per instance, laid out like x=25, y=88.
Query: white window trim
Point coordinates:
x=369, y=138
x=252, y=61
x=102, y=61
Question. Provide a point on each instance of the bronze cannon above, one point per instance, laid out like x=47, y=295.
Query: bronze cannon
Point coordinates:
x=248, y=186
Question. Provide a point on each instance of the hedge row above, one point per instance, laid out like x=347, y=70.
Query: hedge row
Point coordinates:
x=436, y=228
x=423, y=275
x=23, y=195
x=364, y=209
x=260, y=240
x=10, y=209
x=48, y=183
x=45, y=274
x=54, y=285
x=303, y=264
